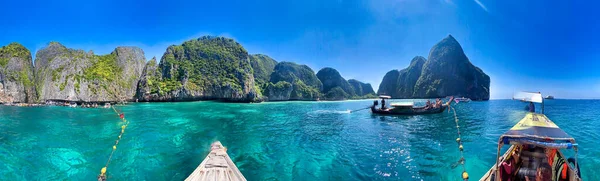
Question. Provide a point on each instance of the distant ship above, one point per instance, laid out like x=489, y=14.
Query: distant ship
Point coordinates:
x=549, y=97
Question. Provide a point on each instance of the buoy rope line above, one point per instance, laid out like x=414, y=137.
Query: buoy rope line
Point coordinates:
x=465, y=175
x=102, y=176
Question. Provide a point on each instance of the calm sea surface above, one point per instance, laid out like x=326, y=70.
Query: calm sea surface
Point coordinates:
x=273, y=141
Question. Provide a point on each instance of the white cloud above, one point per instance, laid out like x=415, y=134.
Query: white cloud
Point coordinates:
x=481, y=5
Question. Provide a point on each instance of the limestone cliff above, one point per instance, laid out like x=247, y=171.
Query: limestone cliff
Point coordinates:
x=361, y=89
x=400, y=84
x=389, y=84
x=304, y=83
x=16, y=74
x=67, y=74
x=263, y=66
x=448, y=72
x=206, y=68
x=331, y=79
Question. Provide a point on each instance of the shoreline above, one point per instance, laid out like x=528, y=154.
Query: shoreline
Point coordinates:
x=62, y=102
x=101, y=103
x=56, y=102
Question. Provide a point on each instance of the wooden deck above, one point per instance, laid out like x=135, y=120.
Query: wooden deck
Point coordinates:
x=217, y=166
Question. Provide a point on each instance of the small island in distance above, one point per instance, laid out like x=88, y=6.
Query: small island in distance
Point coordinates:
x=218, y=68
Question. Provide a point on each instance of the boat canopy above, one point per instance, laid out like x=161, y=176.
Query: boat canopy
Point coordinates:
x=537, y=129
x=529, y=97
x=385, y=97
x=402, y=104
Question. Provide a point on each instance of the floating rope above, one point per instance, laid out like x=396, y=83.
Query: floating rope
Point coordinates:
x=102, y=176
x=465, y=175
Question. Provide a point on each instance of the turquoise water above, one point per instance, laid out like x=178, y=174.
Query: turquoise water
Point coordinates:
x=273, y=141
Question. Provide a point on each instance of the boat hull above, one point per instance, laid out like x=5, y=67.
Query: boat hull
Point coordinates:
x=408, y=111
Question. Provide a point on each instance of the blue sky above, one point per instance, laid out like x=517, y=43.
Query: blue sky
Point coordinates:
x=548, y=46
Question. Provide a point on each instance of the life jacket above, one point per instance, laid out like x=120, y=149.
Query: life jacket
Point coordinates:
x=559, y=165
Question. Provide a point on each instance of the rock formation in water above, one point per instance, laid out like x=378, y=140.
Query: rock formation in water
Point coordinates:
x=263, y=66
x=148, y=80
x=207, y=68
x=389, y=84
x=303, y=83
x=331, y=79
x=446, y=72
x=16, y=74
x=362, y=89
x=400, y=83
x=67, y=74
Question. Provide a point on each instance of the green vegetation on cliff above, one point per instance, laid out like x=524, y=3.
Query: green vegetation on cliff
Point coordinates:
x=337, y=93
x=262, y=66
x=306, y=85
x=24, y=77
x=446, y=72
x=13, y=50
x=69, y=74
x=400, y=84
x=204, y=68
x=281, y=85
x=104, y=67
x=16, y=67
x=206, y=62
x=303, y=91
x=331, y=79
x=362, y=90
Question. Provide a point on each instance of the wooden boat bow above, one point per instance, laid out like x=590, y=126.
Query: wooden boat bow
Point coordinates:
x=217, y=166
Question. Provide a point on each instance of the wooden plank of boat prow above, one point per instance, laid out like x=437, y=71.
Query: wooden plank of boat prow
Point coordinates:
x=217, y=166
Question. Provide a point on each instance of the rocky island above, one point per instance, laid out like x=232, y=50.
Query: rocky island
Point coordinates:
x=68, y=74
x=16, y=74
x=446, y=72
x=218, y=68
x=207, y=68
x=336, y=87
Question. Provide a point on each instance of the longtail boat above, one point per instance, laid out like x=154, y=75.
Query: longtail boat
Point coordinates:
x=462, y=99
x=536, y=145
x=408, y=108
x=217, y=166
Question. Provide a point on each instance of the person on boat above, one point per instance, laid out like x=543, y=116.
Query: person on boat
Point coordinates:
x=531, y=107
x=542, y=173
x=375, y=103
x=382, y=103
x=427, y=104
x=508, y=166
x=438, y=103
